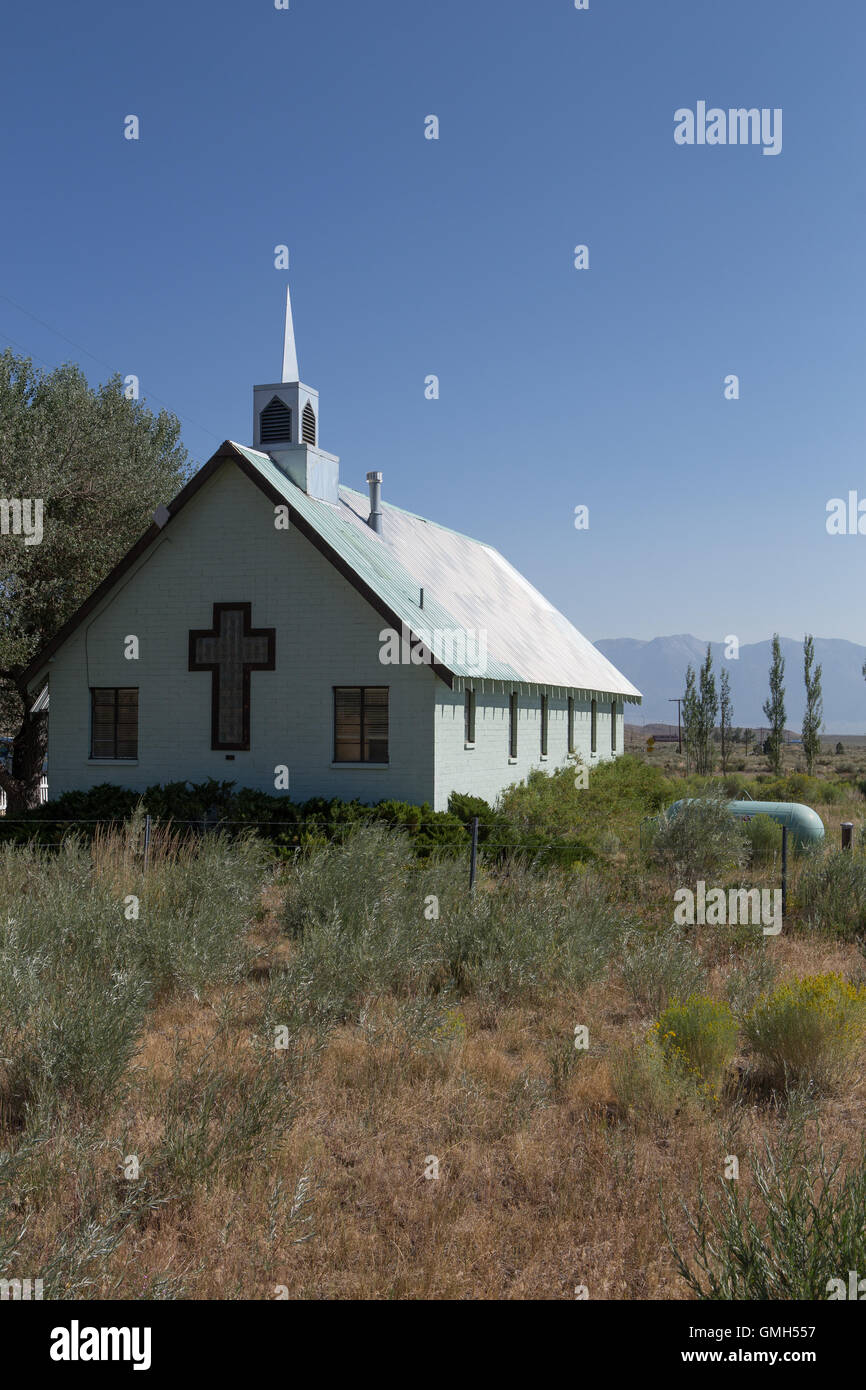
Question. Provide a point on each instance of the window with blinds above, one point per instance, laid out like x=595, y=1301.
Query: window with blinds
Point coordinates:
x=571, y=723
x=544, y=726
x=114, y=722
x=613, y=726
x=512, y=725
x=593, y=727
x=360, y=724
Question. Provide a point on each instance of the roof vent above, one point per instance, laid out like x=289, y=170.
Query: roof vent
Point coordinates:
x=276, y=422
x=308, y=425
x=375, y=517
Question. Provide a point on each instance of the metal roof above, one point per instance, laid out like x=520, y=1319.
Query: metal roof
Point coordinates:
x=469, y=588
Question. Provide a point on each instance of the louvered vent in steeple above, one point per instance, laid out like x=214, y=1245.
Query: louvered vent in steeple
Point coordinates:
x=276, y=422
x=308, y=425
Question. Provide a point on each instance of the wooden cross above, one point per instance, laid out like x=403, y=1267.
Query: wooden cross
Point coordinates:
x=230, y=651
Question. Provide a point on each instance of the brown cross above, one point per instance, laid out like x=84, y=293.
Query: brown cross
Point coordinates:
x=231, y=650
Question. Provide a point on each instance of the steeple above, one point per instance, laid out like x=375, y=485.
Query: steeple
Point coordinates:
x=290, y=352
x=286, y=425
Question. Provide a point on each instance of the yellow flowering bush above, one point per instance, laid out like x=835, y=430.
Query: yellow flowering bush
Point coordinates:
x=698, y=1036
x=807, y=1029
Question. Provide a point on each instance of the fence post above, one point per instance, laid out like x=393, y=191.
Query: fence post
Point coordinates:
x=847, y=834
x=473, y=856
x=146, y=841
x=784, y=870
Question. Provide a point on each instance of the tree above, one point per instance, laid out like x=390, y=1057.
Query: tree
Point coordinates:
x=774, y=707
x=708, y=702
x=747, y=739
x=700, y=711
x=813, y=719
x=726, y=709
x=99, y=464
x=691, y=716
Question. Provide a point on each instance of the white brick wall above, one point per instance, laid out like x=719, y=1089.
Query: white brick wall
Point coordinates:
x=487, y=769
x=223, y=547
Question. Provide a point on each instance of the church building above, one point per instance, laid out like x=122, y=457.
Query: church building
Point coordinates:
x=277, y=628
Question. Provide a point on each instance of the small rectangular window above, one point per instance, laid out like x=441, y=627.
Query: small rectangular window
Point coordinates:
x=512, y=726
x=613, y=726
x=361, y=724
x=544, y=726
x=469, y=716
x=593, y=727
x=571, y=723
x=114, y=722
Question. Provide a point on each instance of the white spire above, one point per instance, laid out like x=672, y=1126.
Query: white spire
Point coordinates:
x=290, y=354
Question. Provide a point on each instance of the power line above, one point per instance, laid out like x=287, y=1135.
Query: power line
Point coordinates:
x=107, y=365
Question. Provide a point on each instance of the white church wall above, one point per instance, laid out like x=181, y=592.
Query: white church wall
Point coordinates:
x=487, y=769
x=223, y=547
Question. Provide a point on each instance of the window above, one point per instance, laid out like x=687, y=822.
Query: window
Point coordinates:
x=613, y=726
x=469, y=716
x=571, y=723
x=544, y=726
x=512, y=726
x=593, y=727
x=361, y=724
x=308, y=425
x=114, y=722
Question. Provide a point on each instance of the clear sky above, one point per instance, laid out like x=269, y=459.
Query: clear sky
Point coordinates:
x=411, y=257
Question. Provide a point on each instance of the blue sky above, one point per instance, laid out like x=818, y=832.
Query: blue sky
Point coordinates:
x=454, y=257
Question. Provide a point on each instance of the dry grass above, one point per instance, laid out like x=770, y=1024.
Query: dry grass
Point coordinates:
x=537, y=1192
x=550, y=1159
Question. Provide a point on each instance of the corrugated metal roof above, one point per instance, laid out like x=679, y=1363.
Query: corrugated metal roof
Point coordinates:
x=469, y=589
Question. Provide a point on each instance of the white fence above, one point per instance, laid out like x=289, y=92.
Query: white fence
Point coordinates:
x=43, y=795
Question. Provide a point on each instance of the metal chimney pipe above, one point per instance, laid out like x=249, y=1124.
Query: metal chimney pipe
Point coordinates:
x=375, y=517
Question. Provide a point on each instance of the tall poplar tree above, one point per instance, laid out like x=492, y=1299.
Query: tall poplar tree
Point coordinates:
x=813, y=719
x=774, y=706
x=726, y=710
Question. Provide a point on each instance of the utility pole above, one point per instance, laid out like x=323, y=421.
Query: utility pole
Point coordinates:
x=678, y=701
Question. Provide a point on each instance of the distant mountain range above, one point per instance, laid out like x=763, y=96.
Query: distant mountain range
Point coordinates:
x=658, y=669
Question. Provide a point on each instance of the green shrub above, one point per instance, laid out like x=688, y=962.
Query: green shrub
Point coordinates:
x=744, y=986
x=66, y=1038
x=367, y=919
x=832, y=892
x=804, y=1226
x=658, y=967
x=765, y=837
x=643, y=1085
x=807, y=1030
x=287, y=825
x=619, y=795
x=87, y=938
x=698, y=1036
x=220, y=1119
x=699, y=839
x=528, y=931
